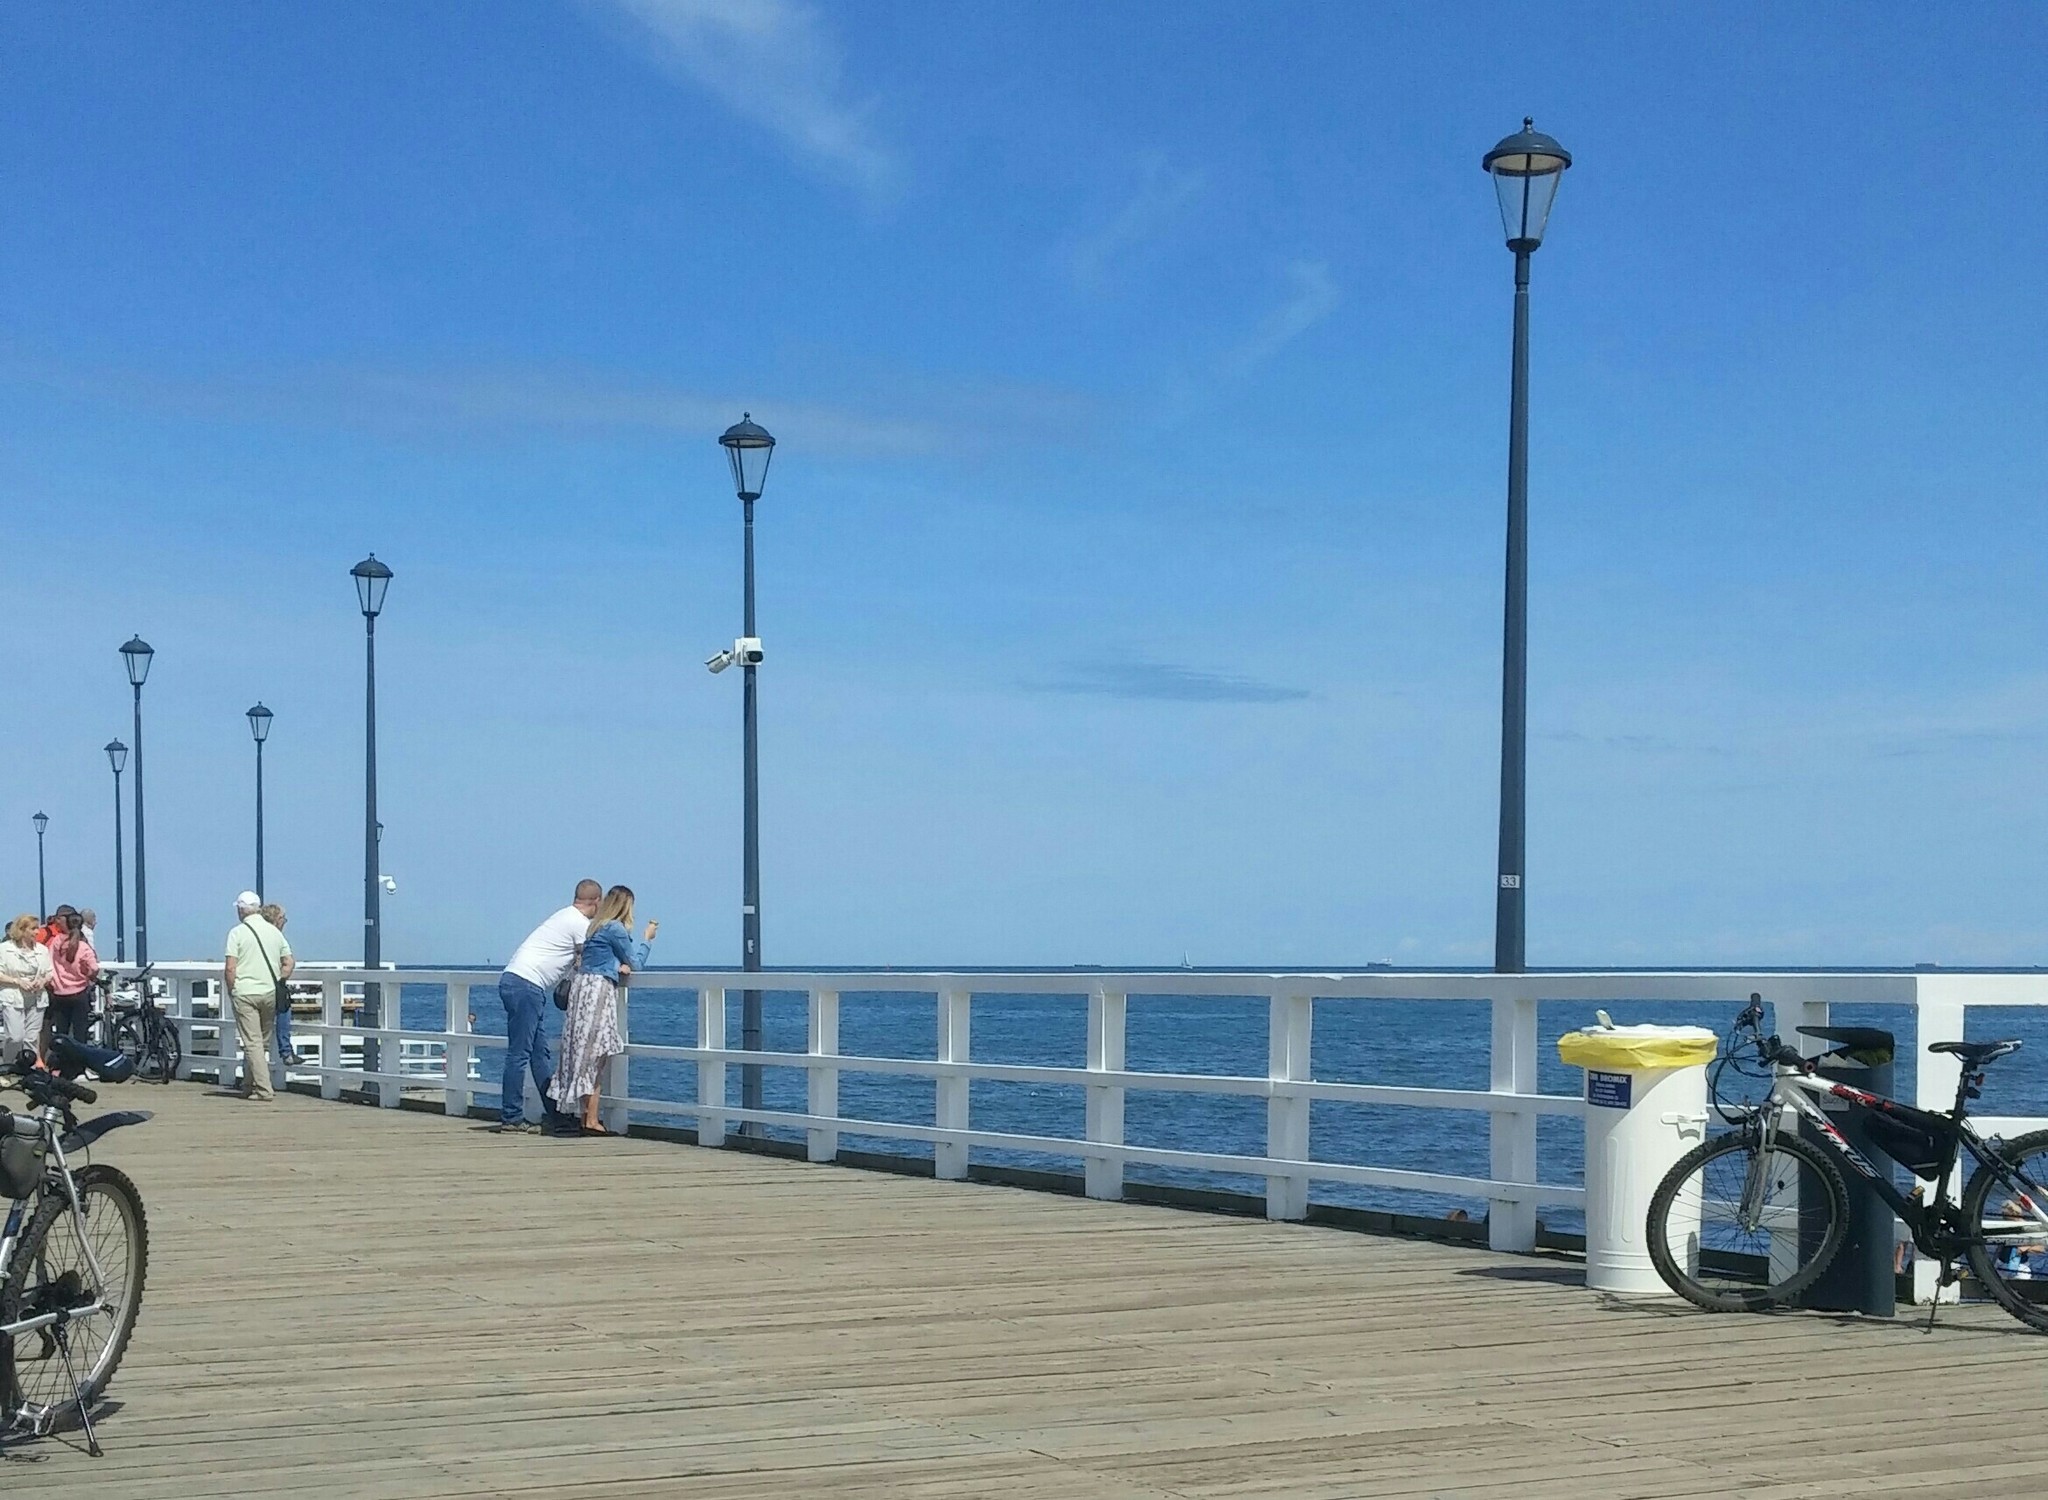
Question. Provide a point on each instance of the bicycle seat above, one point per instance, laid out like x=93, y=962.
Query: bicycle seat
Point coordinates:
x=1976, y=1054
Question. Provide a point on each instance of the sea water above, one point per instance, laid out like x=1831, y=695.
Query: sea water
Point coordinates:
x=1415, y=1044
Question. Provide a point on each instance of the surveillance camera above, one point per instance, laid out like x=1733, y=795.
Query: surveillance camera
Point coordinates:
x=389, y=884
x=719, y=662
x=747, y=651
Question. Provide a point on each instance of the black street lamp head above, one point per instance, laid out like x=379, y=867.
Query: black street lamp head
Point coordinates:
x=117, y=756
x=749, y=446
x=42, y=821
x=259, y=723
x=372, y=579
x=1526, y=168
x=136, y=657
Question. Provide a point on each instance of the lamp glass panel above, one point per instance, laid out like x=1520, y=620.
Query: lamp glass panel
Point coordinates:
x=750, y=467
x=136, y=657
x=1525, y=196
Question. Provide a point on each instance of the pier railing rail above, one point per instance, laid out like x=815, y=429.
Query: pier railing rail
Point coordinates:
x=1513, y=1101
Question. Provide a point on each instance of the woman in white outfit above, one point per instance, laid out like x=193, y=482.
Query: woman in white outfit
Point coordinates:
x=25, y=976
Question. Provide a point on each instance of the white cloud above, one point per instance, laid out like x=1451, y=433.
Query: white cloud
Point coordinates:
x=1315, y=297
x=777, y=63
x=1162, y=193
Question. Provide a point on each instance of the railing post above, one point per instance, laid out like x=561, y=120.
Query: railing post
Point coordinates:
x=457, y=1047
x=1104, y=1173
x=330, y=1042
x=822, y=1078
x=949, y=1158
x=711, y=1075
x=1289, y=1021
x=615, y=1088
x=390, y=1051
x=180, y=996
x=1936, y=1074
x=1511, y=1222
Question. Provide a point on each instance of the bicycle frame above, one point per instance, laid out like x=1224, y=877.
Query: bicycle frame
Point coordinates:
x=47, y=1121
x=1935, y=1224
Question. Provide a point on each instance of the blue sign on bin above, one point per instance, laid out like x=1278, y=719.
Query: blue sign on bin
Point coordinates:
x=1609, y=1090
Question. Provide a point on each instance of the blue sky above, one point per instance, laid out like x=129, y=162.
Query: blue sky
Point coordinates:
x=1130, y=568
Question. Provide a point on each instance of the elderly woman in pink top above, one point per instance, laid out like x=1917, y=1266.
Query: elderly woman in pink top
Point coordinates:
x=72, y=967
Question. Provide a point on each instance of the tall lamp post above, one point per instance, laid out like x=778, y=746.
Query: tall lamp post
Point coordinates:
x=1526, y=169
x=372, y=579
x=117, y=757
x=750, y=448
x=42, y=822
x=136, y=657
x=259, y=726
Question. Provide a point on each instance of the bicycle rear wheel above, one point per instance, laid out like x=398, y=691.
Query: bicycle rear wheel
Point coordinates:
x=164, y=1053
x=1718, y=1254
x=47, y=1373
x=2007, y=1214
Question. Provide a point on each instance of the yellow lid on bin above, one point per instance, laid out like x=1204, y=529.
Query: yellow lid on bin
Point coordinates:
x=1637, y=1046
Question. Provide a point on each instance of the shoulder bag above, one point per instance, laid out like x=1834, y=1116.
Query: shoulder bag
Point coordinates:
x=283, y=998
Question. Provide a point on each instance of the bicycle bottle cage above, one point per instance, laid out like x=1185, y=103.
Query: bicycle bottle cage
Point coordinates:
x=1864, y=1044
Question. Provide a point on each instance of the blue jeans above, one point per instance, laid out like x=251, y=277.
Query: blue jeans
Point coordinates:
x=526, y=1047
x=284, y=1029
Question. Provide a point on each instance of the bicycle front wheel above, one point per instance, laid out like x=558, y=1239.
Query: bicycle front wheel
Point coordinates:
x=1734, y=1228
x=2007, y=1214
x=47, y=1373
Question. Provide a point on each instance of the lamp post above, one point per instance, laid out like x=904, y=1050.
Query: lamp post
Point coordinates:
x=42, y=822
x=1526, y=168
x=372, y=579
x=259, y=726
x=136, y=657
x=750, y=448
x=117, y=757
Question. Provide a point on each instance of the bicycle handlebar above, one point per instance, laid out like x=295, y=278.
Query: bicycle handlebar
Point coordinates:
x=42, y=1086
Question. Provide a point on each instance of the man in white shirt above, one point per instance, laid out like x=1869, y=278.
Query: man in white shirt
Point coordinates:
x=526, y=988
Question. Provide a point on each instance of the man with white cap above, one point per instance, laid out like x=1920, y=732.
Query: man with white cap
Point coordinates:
x=259, y=962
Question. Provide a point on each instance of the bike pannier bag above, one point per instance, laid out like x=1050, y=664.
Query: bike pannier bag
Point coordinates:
x=21, y=1167
x=1905, y=1142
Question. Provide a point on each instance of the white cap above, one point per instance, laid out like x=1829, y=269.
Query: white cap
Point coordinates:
x=248, y=901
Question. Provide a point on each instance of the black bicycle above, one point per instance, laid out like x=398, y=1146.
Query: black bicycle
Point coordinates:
x=74, y=1251
x=138, y=1028
x=1749, y=1219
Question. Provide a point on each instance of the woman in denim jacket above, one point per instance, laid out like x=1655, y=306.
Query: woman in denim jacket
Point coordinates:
x=590, y=1028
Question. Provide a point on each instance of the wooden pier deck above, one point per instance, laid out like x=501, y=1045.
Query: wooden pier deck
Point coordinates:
x=347, y=1301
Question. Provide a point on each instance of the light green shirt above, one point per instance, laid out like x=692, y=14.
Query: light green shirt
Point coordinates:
x=249, y=944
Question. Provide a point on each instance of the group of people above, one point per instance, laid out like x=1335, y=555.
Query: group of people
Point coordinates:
x=46, y=974
x=575, y=960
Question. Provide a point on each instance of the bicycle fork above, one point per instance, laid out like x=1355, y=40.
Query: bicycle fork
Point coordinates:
x=1756, y=1184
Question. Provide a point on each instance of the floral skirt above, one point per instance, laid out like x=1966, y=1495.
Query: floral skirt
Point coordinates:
x=590, y=1036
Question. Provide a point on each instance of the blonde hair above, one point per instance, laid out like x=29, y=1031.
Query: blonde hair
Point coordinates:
x=272, y=913
x=22, y=930
x=617, y=906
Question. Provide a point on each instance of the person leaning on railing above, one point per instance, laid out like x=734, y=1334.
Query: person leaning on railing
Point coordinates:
x=259, y=962
x=590, y=1029
x=24, y=986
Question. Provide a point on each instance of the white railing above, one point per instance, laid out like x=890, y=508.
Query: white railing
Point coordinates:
x=1513, y=1101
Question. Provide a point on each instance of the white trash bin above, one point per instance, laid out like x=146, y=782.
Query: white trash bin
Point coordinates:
x=1646, y=1106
